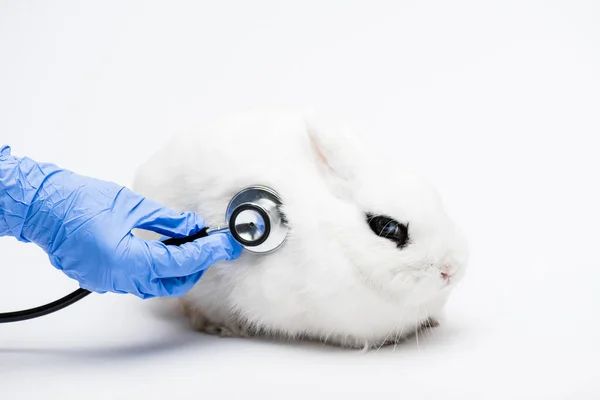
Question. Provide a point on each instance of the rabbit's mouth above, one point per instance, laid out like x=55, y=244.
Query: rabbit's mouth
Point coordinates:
x=415, y=284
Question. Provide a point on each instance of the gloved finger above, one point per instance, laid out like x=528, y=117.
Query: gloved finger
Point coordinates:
x=192, y=257
x=160, y=219
x=177, y=287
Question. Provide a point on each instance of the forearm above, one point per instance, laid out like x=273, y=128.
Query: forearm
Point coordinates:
x=20, y=181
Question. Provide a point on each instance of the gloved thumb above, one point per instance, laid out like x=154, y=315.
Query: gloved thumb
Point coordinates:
x=192, y=257
x=157, y=218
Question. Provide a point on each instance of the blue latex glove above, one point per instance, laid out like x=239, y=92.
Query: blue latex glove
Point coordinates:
x=85, y=225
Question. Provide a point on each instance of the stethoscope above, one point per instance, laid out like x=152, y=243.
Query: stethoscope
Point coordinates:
x=253, y=218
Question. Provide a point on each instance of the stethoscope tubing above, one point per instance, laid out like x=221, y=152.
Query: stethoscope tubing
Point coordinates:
x=72, y=298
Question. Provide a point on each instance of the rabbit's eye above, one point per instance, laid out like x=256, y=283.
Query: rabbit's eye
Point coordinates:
x=388, y=228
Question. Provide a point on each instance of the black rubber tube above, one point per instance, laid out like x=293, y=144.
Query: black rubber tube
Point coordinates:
x=45, y=309
x=79, y=294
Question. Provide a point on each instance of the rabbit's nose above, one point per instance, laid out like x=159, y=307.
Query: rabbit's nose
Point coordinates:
x=446, y=276
x=447, y=272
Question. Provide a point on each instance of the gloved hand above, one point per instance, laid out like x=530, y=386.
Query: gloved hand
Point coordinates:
x=85, y=225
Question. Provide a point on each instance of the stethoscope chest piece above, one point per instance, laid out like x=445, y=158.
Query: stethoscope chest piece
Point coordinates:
x=255, y=219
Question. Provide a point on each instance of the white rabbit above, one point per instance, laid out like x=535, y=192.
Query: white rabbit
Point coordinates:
x=371, y=255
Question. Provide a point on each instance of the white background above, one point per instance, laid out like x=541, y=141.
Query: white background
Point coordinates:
x=497, y=102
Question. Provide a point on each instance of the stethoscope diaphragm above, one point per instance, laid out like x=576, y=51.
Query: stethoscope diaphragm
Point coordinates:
x=255, y=219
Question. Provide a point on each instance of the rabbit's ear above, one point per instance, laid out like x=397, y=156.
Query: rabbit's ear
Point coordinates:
x=336, y=152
